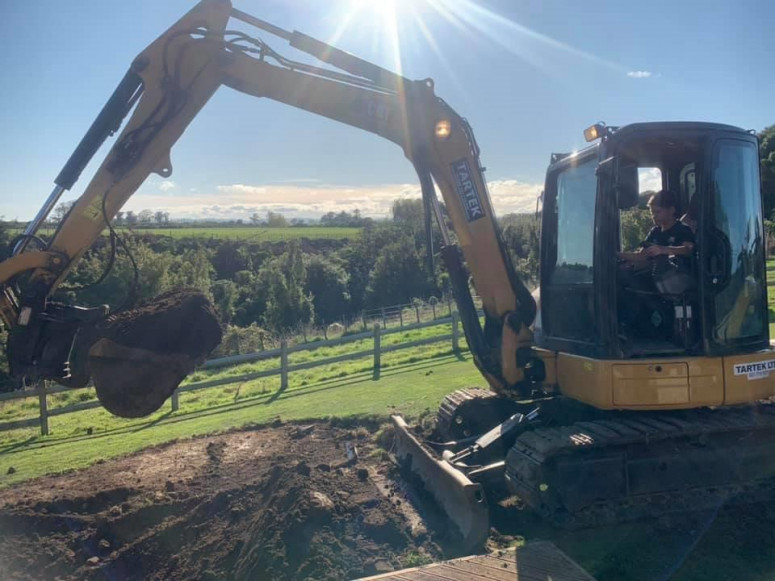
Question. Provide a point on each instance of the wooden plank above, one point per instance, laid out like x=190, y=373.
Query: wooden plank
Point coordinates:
x=419, y=575
x=330, y=360
x=19, y=394
x=428, y=341
x=377, y=352
x=519, y=566
x=330, y=342
x=227, y=380
x=76, y=407
x=269, y=354
x=283, y=364
x=524, y=570
x=25, y=393
x=477, y=570
x=239, y=359
x=454, y=573
x=43, y=405
x=538, y=561
x=559, y=565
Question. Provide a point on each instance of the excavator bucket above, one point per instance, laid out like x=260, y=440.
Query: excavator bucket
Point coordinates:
x=138, y=358
x=462, y=500
x=132, y=383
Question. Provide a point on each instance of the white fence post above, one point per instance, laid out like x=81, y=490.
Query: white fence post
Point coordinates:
x=376, y=351
x=43, y=408
x=283, y=364
x=455, y=334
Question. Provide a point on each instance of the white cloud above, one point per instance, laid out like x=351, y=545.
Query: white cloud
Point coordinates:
x=512, y=196
x=650, y=179
x=167, y=185
x=639, y=74
x=236, y=201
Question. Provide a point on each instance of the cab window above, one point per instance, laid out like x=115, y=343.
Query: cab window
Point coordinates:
x=575, y=213
x=738, y=248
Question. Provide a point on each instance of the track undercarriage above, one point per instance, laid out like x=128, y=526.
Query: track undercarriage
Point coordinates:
x=578, y=467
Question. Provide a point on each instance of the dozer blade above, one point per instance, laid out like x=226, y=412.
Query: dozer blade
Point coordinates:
x=463, y=501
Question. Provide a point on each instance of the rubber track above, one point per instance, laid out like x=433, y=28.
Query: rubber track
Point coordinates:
x=535, y=449
x=450, y=405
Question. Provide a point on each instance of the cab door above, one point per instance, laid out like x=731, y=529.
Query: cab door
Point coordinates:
x=567, y=257
x=732, y=250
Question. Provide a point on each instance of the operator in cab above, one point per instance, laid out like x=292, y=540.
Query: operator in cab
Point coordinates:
x=668, y=237
x=655, y=278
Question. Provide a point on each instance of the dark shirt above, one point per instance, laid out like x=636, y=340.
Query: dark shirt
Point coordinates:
x=676, y=235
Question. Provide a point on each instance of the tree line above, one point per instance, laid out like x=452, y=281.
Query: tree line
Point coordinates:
x=269, y=219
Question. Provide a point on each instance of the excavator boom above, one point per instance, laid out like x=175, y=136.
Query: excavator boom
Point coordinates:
x=165, y=88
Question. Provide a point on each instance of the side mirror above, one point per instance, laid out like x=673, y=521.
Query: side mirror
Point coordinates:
x=539, y=206
x=627, y=186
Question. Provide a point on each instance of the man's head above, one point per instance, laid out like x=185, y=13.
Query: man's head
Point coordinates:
x=664, y=208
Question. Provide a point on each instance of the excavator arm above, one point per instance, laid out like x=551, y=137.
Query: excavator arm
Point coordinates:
x=166, y=87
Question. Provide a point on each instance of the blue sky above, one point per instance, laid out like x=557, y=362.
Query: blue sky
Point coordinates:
x=528, y=74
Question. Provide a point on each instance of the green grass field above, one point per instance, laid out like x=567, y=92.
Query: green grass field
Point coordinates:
x=257, y=234
x=343, y=389
x=243, y=233
x=410, y=389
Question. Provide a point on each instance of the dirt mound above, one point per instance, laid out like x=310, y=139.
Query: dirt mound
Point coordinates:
x=279, y=503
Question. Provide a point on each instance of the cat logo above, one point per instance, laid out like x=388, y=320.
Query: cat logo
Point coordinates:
x=377, y=110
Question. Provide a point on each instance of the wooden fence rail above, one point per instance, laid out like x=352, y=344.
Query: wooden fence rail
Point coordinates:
x=283, y=370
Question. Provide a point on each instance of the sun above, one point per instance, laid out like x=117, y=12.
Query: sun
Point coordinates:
x=387, y=8
x=381, y=15
x=396, y=28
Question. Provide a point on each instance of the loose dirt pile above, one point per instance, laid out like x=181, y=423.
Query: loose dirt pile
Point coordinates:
x=283, y=502
x=181, y=321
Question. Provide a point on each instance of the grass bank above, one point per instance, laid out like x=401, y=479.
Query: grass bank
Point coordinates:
x=409, y=389
x=98, y=420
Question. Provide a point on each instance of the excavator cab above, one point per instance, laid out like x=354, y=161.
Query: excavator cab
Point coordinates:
x=708, y=304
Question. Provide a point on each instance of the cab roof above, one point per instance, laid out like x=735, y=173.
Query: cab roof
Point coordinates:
x=667, y=127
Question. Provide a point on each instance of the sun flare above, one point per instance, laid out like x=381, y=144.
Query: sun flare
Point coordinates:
x=385, y=16
x=404, y=30
x=380, y=7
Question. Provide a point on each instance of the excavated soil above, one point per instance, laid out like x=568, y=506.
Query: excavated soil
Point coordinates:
x=138, y=358
x=283, y=502
x=181, y=321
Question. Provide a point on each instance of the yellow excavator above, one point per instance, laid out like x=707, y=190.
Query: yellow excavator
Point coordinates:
x=613, y=400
